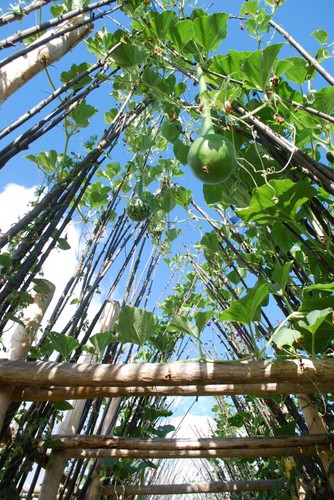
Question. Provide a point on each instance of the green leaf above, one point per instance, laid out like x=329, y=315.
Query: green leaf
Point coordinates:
x=181, y=151
x=248, y=308
x=5, y=259
x=62, y=406
x=166, y=201
x=315, y=319
x=182, y=196
x=286, y=337
x=281, y=275
x=74, y=72
x=41, y=286
x=172, y=234
x=209, y=31
x=81, y=114
x=324, y=100
x=135, y=325
x=286, y=430
x=258, y=67
x=63, y=344
x=160, y=23
x=101, y=340
x=180, y=34
x=277, y=200
x=299, y=70
x=128, y=56
x=283, y=239
x=47, y=160
x=183, y=324
x=63, y=244
x=320, y=35
x=170, y=131
x=110, y=115
x=162, y=430
x=201, y=319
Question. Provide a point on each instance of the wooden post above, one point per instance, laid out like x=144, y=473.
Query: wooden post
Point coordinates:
x=23, y=337
x=55, y=467
x=16, y=73
x=316, y=424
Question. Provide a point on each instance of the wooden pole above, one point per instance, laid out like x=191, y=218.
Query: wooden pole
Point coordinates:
x=56, y=465
x=263, y=389
x=168, y=454
x=188, y=488
x=16, y=73
x=40, y=373
x=316, y=424
x=172, y=444
x=23, y=336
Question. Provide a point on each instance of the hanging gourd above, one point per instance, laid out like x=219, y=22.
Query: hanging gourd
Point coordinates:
x=138, y=208
x=211, y=156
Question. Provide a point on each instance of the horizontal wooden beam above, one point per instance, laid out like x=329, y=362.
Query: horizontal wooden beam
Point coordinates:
x=171, y=454
x=39, y=373
x=188, y=488
x=115, y=442
x=259, y=389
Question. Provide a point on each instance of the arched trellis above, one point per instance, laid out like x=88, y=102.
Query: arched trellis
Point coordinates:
x=34, y=237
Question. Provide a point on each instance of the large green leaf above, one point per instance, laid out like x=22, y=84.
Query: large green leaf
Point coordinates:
x=128, y=56
x=101, y=340
x=135, y=325
x=299, y=70
x=258, y=67
x=318, y=330
x=209, y=31
x=247, y=308
x=277, y=200
x=180, y=34
x=160, y=24
x=63, y=344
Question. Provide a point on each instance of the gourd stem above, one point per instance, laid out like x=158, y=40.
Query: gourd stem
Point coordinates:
x=207, y=125
x=139, y=187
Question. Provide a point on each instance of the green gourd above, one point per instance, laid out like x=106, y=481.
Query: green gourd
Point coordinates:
x=138, y=208
x=211, y=156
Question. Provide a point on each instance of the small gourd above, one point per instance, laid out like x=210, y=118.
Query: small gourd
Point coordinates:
x=138, y=208
x=211, y=156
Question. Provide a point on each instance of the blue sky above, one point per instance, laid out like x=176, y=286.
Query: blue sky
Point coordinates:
x=298, y=18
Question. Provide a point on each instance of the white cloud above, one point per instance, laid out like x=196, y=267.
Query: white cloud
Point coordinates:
x=60, y=265
x=14, y=201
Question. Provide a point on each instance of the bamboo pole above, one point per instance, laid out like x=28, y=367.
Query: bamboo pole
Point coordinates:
x=56, y=465
x=169, y=454
x=46, y=373
x=263, y=389
x=188, y=488
x=172, y=444
x=316, y=424
x=16, y=73
x=23, y=337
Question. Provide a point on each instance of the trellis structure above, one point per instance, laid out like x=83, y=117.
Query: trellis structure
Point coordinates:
x=285, y=208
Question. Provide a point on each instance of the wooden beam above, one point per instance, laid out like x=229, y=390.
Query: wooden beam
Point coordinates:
x=39, y=373
x=188, y=488
x=100, y=441
x=169, y=454
x=260, y=389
